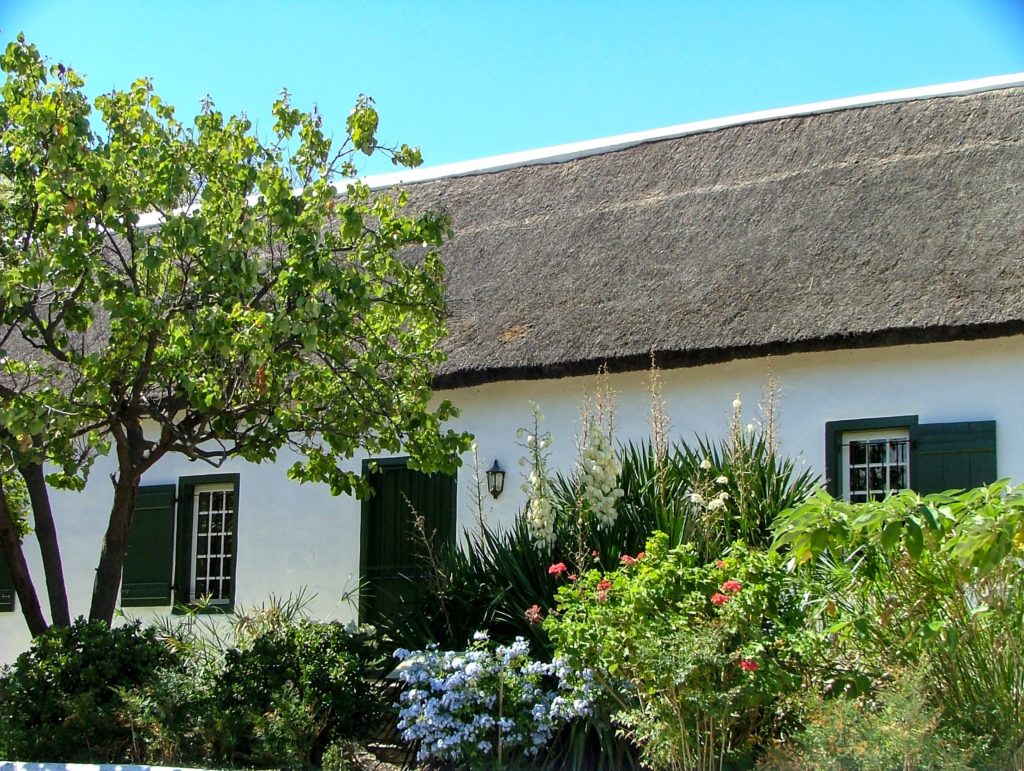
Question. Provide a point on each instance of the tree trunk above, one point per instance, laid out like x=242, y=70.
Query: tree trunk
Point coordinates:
x=49, y=548
x=10, y=542
x=115, y=542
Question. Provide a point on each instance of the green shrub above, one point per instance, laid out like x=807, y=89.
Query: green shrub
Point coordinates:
x=696, y=660
x=279, y=696
x=61, y=699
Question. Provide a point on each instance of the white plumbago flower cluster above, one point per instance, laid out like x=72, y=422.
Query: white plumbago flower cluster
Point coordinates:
x=600, y=476
x=540, y=515
x=458, y=706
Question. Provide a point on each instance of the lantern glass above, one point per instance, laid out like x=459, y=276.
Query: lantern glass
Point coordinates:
x=495, y=479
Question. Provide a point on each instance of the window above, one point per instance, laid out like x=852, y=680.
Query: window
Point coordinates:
x=875, y=463
x=182, y=543
x=213, y=543
x=868, y=458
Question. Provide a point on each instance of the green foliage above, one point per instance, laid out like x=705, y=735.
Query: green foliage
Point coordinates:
x=283, y=694
x=61, y=699
x=894, y=728
x=696, y=659
x=490, y=581
x=270, y=312
x=674, y=494
x=930, y=582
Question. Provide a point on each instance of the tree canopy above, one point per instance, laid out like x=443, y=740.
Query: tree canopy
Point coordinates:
x=196, y=289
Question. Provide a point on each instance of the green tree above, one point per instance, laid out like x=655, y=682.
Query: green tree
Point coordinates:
x=167, y=288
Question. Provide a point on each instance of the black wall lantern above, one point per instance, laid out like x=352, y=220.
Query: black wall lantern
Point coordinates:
x=495, y=479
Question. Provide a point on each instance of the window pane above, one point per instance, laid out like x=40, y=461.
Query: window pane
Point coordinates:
x=876, y=452
x=857, y=453
x=876, y=478
x=897, y=477
x=858, y=479
x=202, y=546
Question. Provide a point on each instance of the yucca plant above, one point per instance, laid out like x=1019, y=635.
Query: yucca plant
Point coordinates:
x=497, y=575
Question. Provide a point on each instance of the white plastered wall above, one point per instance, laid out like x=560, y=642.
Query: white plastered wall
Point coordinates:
x=292, y=536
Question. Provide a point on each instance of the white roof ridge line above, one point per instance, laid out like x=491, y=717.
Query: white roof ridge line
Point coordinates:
x=582, y=149
x=569, y=151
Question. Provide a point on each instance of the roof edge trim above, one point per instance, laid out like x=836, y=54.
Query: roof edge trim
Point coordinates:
x=573, y=150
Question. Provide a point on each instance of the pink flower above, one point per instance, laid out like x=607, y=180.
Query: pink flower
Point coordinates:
x=534, y=614
x=641, y=555
x=719, y=599
x=627, y=560
x=749, y=665
x=602, y=589
x=720, y=564
x=572, y=576
x=732, y=586
x=594, y=554
x=557, y=569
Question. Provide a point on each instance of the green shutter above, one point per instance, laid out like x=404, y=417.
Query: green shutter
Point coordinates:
x=952, y=456
x=148, y=564
x=6, y=587
x=391, y=550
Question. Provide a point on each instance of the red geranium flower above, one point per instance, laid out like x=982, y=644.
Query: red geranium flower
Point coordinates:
x=534, y=614
x=732, y=586
x=719, y=599
x=749, y=665
x=641, y=555
x=720, y=564
x=572, y=576
x=557, y=569
x=627, y=560
x=602, y=589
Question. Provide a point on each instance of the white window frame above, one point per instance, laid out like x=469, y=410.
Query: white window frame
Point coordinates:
x=900, y=434
x=225, y=487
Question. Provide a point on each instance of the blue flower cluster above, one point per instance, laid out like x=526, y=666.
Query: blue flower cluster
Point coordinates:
x=485, y=702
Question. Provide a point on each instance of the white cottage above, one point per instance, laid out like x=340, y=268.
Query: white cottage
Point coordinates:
x=870, y=249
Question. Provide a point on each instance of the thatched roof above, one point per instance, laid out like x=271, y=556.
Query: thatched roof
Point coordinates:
x=875, y=225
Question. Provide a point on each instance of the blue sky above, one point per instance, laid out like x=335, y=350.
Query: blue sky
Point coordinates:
x=467, y=80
